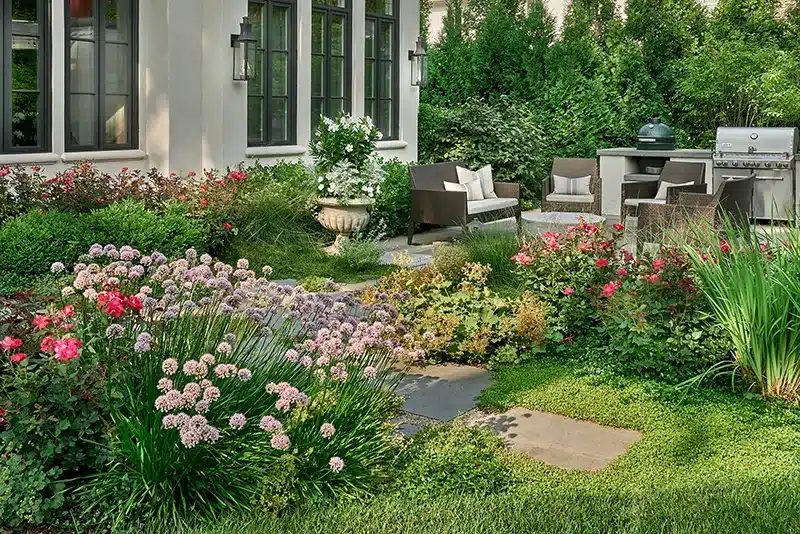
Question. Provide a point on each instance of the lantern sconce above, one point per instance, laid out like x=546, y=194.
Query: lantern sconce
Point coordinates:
x=419, y=64
x=243, y=45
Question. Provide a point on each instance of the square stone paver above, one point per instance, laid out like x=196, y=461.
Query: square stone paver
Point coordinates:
x=442, y=391
x=558, y=440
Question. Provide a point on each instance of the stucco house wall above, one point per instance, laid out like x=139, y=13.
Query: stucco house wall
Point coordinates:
x=192, y=114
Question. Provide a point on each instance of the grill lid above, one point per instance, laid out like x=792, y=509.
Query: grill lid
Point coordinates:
x=757, y=141
x=655, y=135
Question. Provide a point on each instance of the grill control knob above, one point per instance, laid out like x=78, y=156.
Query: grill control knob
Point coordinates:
x=756, y=164
x=724, y=163
x=768, y=164
x=735, y=163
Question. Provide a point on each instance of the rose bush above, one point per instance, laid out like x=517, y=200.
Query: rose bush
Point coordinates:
x=216, y=389
x=647, y=310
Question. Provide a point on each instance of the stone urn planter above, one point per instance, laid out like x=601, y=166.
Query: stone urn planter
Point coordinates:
x=343, y=219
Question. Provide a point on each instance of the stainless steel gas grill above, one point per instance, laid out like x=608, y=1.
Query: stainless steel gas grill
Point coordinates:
x=771, y=153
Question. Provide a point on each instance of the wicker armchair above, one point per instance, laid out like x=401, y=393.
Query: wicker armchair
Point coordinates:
x=431, y=204
x=733, y=201
x=573, y=168
x=637, y=194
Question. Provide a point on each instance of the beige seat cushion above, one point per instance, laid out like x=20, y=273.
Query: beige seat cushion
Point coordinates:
x=582, y=199
x=636, y=201
x=475, y=207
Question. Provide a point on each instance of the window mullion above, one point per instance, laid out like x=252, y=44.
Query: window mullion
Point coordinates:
x=100, y=40
x=266, y=81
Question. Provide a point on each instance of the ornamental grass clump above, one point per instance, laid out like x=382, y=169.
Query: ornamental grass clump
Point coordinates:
x=216, y=379
x=753, y=285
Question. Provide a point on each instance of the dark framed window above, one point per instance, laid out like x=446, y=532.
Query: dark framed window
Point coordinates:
x=25, y=79
x=330, y=59
x=101, y=74
x=381, y=67
x=271, y=95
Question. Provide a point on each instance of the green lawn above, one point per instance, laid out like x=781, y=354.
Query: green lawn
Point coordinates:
x=709, y=462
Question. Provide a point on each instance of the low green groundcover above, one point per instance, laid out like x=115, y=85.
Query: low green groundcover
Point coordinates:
x=709, y=462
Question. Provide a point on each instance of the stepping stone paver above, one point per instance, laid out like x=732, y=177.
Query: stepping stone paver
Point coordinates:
x=558, y=440
x=442, y=391
x=417, y=260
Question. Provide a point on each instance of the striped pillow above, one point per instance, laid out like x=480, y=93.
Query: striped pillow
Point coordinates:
x=571, y=186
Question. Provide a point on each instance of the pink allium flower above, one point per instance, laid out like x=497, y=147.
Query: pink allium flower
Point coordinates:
x=237, y=421
x=306, y=361
x=225, y=370
x=169, y=421
x=192, y=392
x=211, y=394
x=202, y=406
x=336, y=464
x=369, y=373
x=190, y=436
x=428, y=336
x=327, y=430
x=339, y=372
x=207, y=359
x=243, y=264
x=57, y=267
x=206, y=383
x=270, y=424
x=280, y=442
x=323, y=361
x=568, y=291
x=165, y=384
x=169, y=366
x=225, y=348
x=291, y=355
x=169, y=401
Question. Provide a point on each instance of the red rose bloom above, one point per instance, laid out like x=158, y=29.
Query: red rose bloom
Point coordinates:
x=47, y=344
x=41, y=322
x=227, y=226
x=10, y=343
x=658, y=264
x=68, y=310
x=115, y=307
x=18, y=357
x=653, y=278
x=568, y=291
x=618, y=227
x=204, y=202
x=134, y=303
x=602, y=263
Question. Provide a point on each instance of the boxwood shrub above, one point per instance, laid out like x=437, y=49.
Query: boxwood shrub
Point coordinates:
x=31, y=243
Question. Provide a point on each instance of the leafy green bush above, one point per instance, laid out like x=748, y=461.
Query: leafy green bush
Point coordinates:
x=450, y=261
x=30, y=244
x=360, y=253
x=392, y=206
x=464, y=321
x=454, y=459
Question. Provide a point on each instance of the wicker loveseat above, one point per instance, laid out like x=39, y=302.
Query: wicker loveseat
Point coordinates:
x=431, y=204
x=636, y=194
x=573, y=168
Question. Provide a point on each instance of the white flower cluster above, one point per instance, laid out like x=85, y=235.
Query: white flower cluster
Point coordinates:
x=346, y=164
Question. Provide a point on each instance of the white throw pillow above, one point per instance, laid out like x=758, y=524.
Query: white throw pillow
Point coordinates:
x=662, y=189
x=484, y=174
x=571, y=186
x=454, y=187
x=471, y=181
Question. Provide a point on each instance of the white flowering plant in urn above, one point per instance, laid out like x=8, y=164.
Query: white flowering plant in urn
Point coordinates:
x=349, y=173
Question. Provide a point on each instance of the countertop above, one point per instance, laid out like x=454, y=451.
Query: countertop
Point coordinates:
x=688, y=153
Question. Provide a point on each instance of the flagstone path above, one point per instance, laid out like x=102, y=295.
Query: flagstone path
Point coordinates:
x=438, y=394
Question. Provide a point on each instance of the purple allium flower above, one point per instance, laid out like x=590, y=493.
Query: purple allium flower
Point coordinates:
x=169, y=401
x=291, y=355
x=225, y=309
x=205, y=301
x=237, y=421
x=280, y=442
x=210, y=434
x=57, y=267
x=169, y=366
x=190, y=437
x=327, y=430
x=169, y=421
x=165, y=384
x=79, y=267
x=230, y=337
x=205, y=259
x=115, y=331
x=336, y=464
x=242, y=264
x=370, y=373
x=270, y=424
x=202, y=406
x=245, y=375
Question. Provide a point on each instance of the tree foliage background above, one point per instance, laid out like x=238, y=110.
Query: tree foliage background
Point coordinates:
x=507, y=89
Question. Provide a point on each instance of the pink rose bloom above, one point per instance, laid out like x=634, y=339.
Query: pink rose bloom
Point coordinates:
x=602, y=263
x=66, y=349
x=568, y=291
x=10, y=343
x=622, y=271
